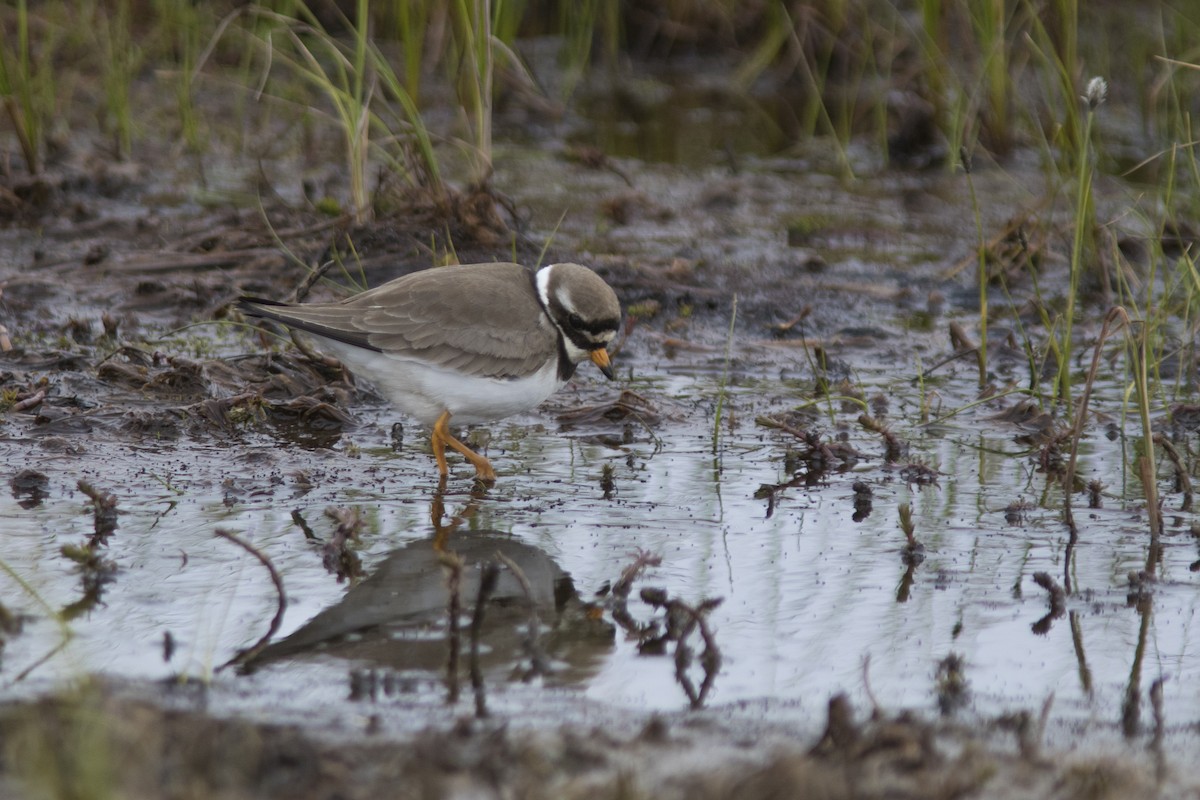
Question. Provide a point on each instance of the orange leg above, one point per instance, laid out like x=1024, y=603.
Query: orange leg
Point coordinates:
x=437, y=441
x=442, y=437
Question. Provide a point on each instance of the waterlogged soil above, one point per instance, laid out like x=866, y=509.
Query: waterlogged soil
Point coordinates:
x=692, y=581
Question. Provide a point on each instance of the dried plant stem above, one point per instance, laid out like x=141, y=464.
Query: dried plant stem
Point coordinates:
x=249, y=653
x=538, y=662
x=1181, y=473
x=1147, y=468
x=1115, y=315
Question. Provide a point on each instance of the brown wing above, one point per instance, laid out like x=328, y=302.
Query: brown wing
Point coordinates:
x=480, y=319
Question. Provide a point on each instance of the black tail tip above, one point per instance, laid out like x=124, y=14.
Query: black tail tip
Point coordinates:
x=253, y=306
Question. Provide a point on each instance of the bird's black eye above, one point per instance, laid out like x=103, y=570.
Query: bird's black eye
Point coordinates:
x=575, y=321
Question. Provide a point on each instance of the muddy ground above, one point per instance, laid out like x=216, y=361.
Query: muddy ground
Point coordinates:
x=106, y=265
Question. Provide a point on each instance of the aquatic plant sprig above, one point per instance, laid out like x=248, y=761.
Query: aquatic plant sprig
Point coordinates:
x=1146, y=466
x=828, y=400
x=1095, y=95
x=982, y=273
x=723, y=386
x=1137, y=335
x=64, y=628
x=1118, y=317
x=908, y=527
x=991, y=398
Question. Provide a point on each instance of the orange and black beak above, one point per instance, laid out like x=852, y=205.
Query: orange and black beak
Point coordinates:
x=599, y=357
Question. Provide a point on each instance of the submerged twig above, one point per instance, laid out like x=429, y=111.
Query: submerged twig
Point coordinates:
x=682, y=620
x=302, y=523
x=770, y=422
x=1131, y=705
x=33, y=401
x=914, y=551
x=453, y=562
x=819, y=456
x=621, y=589
x=243, y=656
x=1156, y=704
x=104, y=513
x=312, y=355
x=487, y=585
x=1058, y=601
x=538, y=664
x=893, y=448
x=301, y=291
x=953, y=688
x=1034, y=745
x=628, y=405
x=1182, y=479
x=337, y=555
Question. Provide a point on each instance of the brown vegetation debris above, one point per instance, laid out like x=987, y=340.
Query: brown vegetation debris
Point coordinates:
x=336, y=554
x=30, y=488
x=634, y=206
x=628, y=405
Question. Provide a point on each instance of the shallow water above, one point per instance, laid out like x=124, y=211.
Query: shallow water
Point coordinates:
x=815, y=603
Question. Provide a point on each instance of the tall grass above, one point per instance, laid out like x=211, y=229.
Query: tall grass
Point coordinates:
x=181, y=26
x=120, y=58
x=63, y=748
x=24, y=95
x=343, y=77
x=990, y=23
x=370, y=102
x=412, y=25
x=581, y=24
x=474, y=56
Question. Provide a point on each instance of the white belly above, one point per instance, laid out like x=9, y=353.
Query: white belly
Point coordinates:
x=425, y=391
